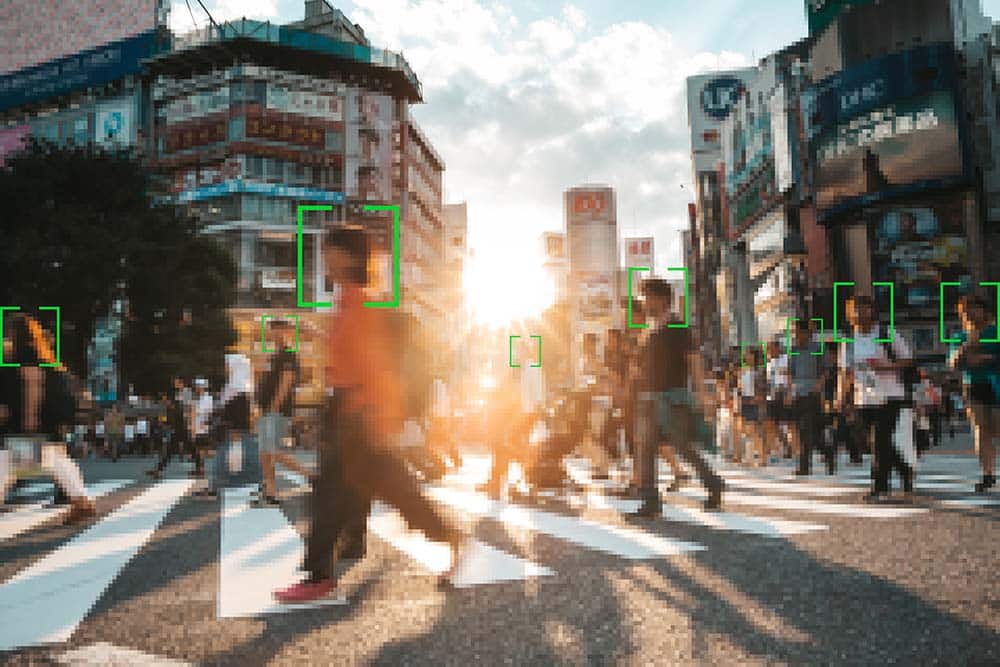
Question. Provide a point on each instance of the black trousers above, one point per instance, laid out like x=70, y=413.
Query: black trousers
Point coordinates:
x=354, y=469
x=681, y=427
x=886, y=457
x=809, y=421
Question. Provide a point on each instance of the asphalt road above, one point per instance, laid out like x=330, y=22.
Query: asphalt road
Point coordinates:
x=794, y=571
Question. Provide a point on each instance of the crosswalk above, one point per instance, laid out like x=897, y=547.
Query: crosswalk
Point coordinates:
x=260, y=550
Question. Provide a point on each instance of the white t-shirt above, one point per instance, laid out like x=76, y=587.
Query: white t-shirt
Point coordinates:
x=141, y=427
x=872, y=388
x=129, y=432
x=99, y=428
x=777, y=377
x=748, y=377
x=202, y=411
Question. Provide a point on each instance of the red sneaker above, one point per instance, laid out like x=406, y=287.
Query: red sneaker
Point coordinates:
x=305, y=591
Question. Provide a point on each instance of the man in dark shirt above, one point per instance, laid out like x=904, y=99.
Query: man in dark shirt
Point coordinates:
x=276, y=399
x=667, y=410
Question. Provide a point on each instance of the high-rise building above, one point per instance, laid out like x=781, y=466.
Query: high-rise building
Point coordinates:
x=242, y=123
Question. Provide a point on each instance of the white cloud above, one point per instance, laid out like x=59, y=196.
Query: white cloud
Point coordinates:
x=221, y=10
x=520, y=114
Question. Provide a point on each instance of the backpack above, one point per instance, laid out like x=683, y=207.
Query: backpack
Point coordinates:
x=413, y=361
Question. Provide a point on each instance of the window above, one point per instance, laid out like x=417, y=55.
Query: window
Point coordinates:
x=272, y=169
x=251, y=207
x=255, y=166
x=237, y=128
x=334, y=140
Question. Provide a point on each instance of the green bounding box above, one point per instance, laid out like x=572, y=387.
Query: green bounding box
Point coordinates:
x=892, y=311
x=58, y=361
x=835, y=329
x=299, y=264
x=687, y=301
x=996, y=286
x=4, y=364
x=510, y=352
x=631, y=270
x=539, y=352
x=395, y=256
x=822, y=337
x=941, y=287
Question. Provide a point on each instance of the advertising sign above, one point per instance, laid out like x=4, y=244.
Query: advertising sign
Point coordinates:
x=276, y=277
x=114, y=124
x=196, y=134
x=202, y=103
x=885, y=128
x=710, y=99
x=285, y=129
x=267, y=189
x=592, y=230
x=916, y=248
x=93, y=67
x=596, y=295
x=307, y=103
x=639, y=252
x=12, y=139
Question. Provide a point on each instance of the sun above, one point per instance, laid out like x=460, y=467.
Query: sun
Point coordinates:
x=505, y=284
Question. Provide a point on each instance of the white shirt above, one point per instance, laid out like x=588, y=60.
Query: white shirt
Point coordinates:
x=141, y=427
x=202, y=411
x=872, y=388
x=777, y=374
x=129, y=432
x=747, y=377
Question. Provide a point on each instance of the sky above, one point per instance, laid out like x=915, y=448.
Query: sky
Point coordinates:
x=524, y=99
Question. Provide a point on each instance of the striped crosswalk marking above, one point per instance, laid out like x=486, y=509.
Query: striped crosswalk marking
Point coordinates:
x=259, y=553
x=26, y=517
x=809, y=505
x=46, y=601
x=482, y=563
x=617, y=540
x=742, y=523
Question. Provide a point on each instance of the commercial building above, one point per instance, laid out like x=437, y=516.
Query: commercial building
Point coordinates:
x=592, y=245
x=244, y=122
x=901, y=125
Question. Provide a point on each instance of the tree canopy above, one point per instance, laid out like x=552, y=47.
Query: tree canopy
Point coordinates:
x=78, y=223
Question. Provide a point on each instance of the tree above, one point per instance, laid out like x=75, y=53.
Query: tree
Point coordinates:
x=77, y=223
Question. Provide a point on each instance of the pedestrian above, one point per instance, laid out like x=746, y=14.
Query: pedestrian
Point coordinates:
x=804, y=401
x=775, y=413
x=235, y=454
x=200, y=416
x=667, y=409
x=276, y=401
x=177, y=417
x=115, y=427
x=873, y=370
x=367, y=398
x=978, y=361
x=752, y=406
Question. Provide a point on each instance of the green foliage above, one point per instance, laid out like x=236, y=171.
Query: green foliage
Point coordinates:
x=77, y=222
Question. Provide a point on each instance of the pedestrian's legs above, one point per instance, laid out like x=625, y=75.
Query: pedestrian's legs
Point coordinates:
x=648, y=433
x=683, y=427
x=886, y=457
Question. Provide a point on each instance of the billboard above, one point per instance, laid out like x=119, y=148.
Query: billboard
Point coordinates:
x=886, y=128
x=918, y=247
x=307, y=103
x=93, y=67
x=287, y=129
x=114, y=123
x=639, y=252
x=198, y=133
x=710, y=99
x=591, y=230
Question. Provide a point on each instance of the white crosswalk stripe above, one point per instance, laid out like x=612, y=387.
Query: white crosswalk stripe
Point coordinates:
x=45, y=602
x=25, y=517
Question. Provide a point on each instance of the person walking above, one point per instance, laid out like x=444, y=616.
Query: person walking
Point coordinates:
x=667, y=409
x=178, y=440
x=200, y=421
x=276, y=401
x=236, y=461
x=978, y=361
x=873, y=370
x=114, y=425
x=356, y=464
x=804, y=401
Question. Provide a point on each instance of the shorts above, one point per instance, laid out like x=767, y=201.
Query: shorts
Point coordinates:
x=748, y=410
x=272, y=428
x=777, y=410
x=981, y=393
x=236, y=413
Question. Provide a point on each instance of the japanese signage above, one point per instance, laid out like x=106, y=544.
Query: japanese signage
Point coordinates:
x=288, y=130
x=196, y=134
